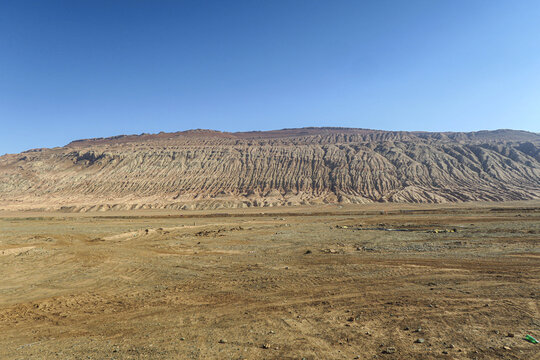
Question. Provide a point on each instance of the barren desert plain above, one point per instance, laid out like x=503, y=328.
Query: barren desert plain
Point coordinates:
x=375, y=281
x=260, y=180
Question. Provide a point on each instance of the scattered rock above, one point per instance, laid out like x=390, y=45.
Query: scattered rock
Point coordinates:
x=329, y=251
x=308, y=252
x=389, y=350
x=222, y=341
x=510, y=334
x=507, y=348
x=419, y=341
x=265, y=346
x=364, y=248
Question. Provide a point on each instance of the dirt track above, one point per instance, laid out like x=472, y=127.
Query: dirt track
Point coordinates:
x=332, y=285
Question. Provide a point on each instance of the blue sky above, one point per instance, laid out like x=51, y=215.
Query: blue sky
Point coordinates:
x=78, y=69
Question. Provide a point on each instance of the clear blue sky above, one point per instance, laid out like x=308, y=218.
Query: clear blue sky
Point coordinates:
x=77, y=69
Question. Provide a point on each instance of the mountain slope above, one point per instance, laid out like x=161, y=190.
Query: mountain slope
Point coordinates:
x=209, y=169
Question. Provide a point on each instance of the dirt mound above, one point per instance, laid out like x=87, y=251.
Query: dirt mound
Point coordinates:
x=205, y=169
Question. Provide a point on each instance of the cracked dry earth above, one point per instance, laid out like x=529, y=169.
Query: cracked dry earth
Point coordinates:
x=313, y=283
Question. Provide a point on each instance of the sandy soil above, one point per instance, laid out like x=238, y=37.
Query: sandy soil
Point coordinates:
x=313, y=283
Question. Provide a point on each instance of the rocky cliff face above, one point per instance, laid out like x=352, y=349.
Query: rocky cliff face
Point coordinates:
x=208, y=169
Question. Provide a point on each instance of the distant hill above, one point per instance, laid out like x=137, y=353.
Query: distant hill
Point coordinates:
x=212, y=169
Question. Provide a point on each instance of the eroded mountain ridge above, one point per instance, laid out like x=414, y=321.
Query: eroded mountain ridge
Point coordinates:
x=210, y=169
